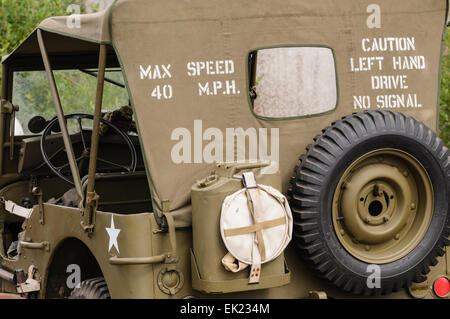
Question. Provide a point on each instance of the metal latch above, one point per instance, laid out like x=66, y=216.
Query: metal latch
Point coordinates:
x=37, y=192
x=88, y=221
x=171, y=256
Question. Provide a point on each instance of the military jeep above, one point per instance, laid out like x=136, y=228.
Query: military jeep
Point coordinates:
x=101, y=202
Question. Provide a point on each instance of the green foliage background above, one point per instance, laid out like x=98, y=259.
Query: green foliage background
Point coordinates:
x=444, y=112
x=77, y=90
x=19, y=17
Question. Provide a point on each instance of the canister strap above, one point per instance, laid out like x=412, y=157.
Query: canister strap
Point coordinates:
x=259, y=249
x=254, y=228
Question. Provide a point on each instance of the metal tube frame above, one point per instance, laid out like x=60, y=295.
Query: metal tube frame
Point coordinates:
x=2, y=114
x=91, y=197
x=6, y=92
x=5, y=117
x=61, y=120
x=97, y=115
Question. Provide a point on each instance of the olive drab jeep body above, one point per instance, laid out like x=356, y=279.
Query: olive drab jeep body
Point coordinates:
x=225, y=98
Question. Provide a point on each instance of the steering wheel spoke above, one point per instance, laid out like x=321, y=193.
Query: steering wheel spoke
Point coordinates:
x=59, y=168
x=82, y=134
x=112, y=163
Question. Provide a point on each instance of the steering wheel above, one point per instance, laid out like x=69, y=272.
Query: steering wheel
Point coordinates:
x=86, y=149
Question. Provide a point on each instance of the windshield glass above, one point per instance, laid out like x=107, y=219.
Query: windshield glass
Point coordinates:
x=76, y=89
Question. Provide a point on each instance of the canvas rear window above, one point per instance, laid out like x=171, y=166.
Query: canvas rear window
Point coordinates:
x=287, y=82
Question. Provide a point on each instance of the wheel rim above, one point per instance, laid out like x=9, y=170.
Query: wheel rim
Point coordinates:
x=382, y=206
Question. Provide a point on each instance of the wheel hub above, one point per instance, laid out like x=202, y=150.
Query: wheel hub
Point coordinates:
x=377, y=213
x=376, y=203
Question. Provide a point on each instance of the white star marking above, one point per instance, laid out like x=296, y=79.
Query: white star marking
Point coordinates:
x=113, y=233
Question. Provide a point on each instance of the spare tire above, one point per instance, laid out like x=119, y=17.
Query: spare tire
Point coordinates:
x=374, y=189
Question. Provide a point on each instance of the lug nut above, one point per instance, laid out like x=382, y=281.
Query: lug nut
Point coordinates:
x=367, y=247
x=385, y=219
x=367, y=220
x=405, y=173
x=413, y=206
x=397, y=236
x=342, y=232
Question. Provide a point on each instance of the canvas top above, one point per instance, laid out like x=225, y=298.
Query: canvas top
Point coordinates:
x=67, y=34
x=186, y=64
